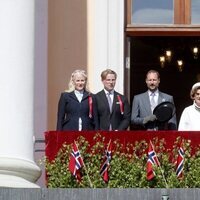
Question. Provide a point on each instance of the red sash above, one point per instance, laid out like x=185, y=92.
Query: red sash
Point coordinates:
x=121, y=104
x=90, y=106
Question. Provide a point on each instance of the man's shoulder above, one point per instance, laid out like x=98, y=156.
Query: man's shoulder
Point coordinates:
x=165, y=94
x=119, y=94
x=99, y=94
x=140, y=95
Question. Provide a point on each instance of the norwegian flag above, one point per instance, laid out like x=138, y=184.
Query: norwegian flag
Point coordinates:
x=75, y=162
x=152, y=161
x=180, y=161
x=106, y=163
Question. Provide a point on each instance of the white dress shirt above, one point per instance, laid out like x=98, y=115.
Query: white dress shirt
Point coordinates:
x=79, y=95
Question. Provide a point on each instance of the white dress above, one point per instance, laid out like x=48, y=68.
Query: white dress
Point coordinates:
x=190, y=119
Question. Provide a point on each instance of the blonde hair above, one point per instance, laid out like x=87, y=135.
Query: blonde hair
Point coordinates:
x=71, y=86
x=193, y=91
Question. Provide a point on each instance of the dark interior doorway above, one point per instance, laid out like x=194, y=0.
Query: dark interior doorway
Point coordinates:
x=145, y=53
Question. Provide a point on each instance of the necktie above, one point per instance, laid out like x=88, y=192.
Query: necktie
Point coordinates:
x=153, y=102
x=109, y=101
x=110, y=106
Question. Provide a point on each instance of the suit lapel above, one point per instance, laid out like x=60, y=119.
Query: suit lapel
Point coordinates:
x=114, y=102
x=161, y=98
x=73, y=96
x=104, y=99
x=146, y=102
x=85, y=95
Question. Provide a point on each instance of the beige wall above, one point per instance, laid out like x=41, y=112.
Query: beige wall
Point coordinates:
x=67, y=48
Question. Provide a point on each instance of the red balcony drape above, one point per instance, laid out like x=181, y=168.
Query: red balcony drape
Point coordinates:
x=55, y=139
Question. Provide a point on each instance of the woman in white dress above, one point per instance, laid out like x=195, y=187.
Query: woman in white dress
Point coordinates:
x=190, y=118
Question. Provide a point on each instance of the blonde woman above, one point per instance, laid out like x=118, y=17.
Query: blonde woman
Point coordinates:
x=76, y=107
x=190, y=118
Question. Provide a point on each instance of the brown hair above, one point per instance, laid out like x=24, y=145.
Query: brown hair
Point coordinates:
x=106, y=72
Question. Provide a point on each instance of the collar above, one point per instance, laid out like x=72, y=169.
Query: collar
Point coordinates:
x=78, y=92
x=156, y=92
x=110, y=92
x=196, y=107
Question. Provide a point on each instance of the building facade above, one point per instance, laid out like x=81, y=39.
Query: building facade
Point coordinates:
x=52, y=38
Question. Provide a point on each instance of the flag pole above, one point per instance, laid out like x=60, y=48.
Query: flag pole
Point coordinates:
x=91, y=185
x=160, y=167
x=109, y=144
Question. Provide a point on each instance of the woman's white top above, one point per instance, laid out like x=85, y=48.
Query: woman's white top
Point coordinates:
x=190, y=119
x=79, y=96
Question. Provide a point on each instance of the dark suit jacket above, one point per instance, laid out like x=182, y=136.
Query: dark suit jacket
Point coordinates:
x=118, y=120
x=141, y=108
x=70, y=109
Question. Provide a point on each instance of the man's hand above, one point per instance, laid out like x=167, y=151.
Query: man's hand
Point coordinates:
x=149, y=118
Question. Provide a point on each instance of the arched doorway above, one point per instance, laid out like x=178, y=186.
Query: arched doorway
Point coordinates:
x=145, y=53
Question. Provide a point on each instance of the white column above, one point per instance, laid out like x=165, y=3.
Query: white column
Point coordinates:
x=105, y=41
x=17, y=166
x=40, y=79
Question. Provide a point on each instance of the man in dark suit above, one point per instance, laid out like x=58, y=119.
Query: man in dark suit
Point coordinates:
x=112, y=107
x=143, y=105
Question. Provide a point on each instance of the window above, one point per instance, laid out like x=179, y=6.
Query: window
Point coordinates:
x=195, y=10
x=152, y=12
x=162, y=17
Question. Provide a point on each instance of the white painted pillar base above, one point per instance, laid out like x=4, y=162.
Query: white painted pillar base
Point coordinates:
x=17, y=166
x=18, y=173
